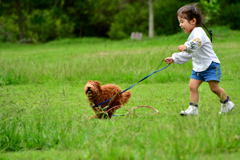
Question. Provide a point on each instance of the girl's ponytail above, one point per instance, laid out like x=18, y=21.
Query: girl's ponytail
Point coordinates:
x=209, y=31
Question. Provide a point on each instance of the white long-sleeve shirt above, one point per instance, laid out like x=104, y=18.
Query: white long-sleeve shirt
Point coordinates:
x=199, y=49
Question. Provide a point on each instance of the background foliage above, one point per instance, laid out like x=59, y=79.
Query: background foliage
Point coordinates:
x=45, y=20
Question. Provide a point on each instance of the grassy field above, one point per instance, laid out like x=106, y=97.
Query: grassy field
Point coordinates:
x=44, y=111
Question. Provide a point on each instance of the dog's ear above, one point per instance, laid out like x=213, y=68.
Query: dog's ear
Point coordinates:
x=98, y=85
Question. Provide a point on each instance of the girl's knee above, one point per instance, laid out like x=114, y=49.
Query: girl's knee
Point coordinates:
x=194, y=84
x=214, y=86
x=214, y=90
x=192, y=87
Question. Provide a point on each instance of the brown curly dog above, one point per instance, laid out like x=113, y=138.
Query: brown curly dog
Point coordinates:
x=97, y=94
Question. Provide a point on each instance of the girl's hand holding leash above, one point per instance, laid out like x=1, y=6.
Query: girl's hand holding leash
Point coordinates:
x=168, y=60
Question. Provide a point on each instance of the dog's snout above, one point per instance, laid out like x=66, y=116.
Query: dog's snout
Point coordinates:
x=89, y=91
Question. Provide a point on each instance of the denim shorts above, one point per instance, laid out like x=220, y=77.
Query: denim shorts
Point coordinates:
x=213, y=73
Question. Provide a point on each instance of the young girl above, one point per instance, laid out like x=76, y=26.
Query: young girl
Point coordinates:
x=206, y=65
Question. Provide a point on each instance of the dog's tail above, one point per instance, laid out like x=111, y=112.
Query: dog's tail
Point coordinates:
x=126, y=96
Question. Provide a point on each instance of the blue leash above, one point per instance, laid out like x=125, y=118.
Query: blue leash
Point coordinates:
x=134, y=84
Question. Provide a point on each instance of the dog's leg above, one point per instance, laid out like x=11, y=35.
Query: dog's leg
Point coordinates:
x=94, y=116
x=126, y=96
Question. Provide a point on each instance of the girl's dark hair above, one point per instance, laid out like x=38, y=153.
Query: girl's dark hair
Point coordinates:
x=191, y=11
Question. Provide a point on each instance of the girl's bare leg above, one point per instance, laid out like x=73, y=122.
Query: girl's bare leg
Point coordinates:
x=215, y=88
x=193, y=86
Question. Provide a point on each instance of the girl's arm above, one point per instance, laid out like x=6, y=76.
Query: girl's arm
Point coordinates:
x=193, y=45
x=182, y=57
x=179, y=58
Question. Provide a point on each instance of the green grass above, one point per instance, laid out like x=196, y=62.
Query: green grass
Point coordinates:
x=44, y=112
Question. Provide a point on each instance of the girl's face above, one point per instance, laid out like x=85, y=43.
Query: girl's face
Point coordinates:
x=186, y=25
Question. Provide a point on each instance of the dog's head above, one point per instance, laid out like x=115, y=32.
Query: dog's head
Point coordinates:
x=92, y=89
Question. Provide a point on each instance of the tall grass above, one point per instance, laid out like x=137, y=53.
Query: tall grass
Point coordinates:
x=44, y=117
x=43, y=106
